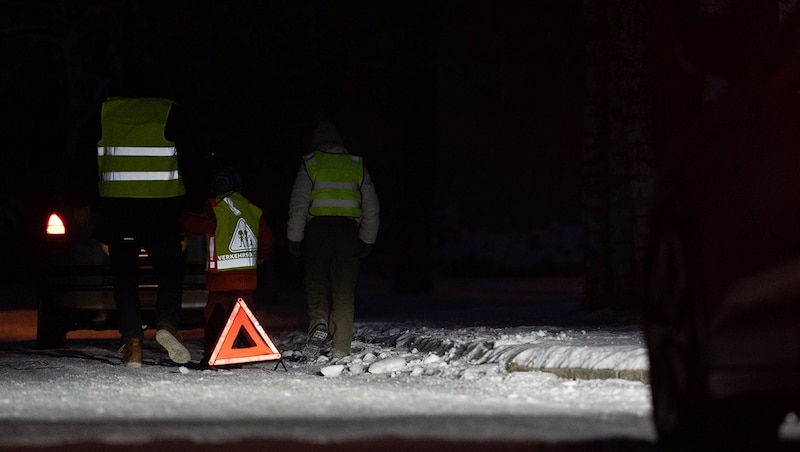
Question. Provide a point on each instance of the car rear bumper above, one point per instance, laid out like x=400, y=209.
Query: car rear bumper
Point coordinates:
x=101, y=298
x=93, y=308
x=754, y=342
x=776, y=383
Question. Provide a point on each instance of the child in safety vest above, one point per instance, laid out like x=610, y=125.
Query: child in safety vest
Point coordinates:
x=238, y=239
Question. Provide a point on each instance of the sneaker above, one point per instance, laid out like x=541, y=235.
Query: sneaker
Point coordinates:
x=173, y=343
x=315, y=340
x=133, y=353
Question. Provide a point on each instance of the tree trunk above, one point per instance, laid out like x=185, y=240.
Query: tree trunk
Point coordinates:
x=412, y=118
x=638, y=146
x=618, y=151
x=597, y=254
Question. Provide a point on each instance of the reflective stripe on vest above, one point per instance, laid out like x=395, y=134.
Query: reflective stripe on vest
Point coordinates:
x=234, y=244
x=336, y=182
x=134, y=158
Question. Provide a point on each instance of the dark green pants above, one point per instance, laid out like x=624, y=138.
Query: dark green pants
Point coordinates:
x=331, y=269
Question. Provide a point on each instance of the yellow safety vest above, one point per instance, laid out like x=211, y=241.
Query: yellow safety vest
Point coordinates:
x=134, y=158
x=337, y=180
x=234, y=245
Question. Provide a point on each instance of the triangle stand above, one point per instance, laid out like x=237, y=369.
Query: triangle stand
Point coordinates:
x=261, y=347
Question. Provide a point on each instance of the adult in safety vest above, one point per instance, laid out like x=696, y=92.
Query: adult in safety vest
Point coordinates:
x=238, y=240
x=141, y=194
x=333, y=222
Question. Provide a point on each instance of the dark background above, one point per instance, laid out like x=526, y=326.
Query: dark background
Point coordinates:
x=468, y=114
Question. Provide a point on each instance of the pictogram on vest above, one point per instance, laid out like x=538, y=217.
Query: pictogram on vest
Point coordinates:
x=234, y=244
x=134, y=159
x=336, y=179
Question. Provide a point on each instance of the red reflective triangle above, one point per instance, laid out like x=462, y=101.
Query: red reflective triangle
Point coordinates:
x=242, y=320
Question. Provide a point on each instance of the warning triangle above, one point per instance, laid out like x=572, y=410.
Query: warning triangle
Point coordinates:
x=242, y=322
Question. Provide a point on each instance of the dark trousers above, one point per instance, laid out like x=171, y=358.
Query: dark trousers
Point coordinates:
x=331, y=270
x=166, y=257
x=218, y=309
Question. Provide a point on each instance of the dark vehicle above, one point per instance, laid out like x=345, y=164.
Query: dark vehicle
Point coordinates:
x=721, y=308
x=76, y=291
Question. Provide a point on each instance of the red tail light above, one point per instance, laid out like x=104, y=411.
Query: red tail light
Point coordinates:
x=56, y=231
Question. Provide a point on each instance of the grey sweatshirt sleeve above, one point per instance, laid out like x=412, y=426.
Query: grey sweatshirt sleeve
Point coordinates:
x=370, y=211
x=299, y=202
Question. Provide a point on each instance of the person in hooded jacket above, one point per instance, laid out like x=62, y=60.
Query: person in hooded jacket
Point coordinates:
x=333, y=222
x=238, y=238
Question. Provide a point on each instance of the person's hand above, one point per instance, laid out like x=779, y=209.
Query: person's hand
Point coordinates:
x=365, y=250
x=296, y=249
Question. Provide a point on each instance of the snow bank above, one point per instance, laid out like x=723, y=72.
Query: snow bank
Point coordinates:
x=418, y=350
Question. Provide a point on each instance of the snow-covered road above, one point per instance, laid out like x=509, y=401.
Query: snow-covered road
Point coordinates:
x=531, y=369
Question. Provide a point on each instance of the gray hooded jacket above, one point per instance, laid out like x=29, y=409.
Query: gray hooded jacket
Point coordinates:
x=300, y=201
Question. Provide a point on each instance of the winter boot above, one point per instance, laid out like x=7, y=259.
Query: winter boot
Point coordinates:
x=171, y=340
x=133, y=353
x=316, y=338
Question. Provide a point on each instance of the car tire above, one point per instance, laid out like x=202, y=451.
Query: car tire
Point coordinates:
x=51, y=330
x=684, y=412
x=679, y=398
